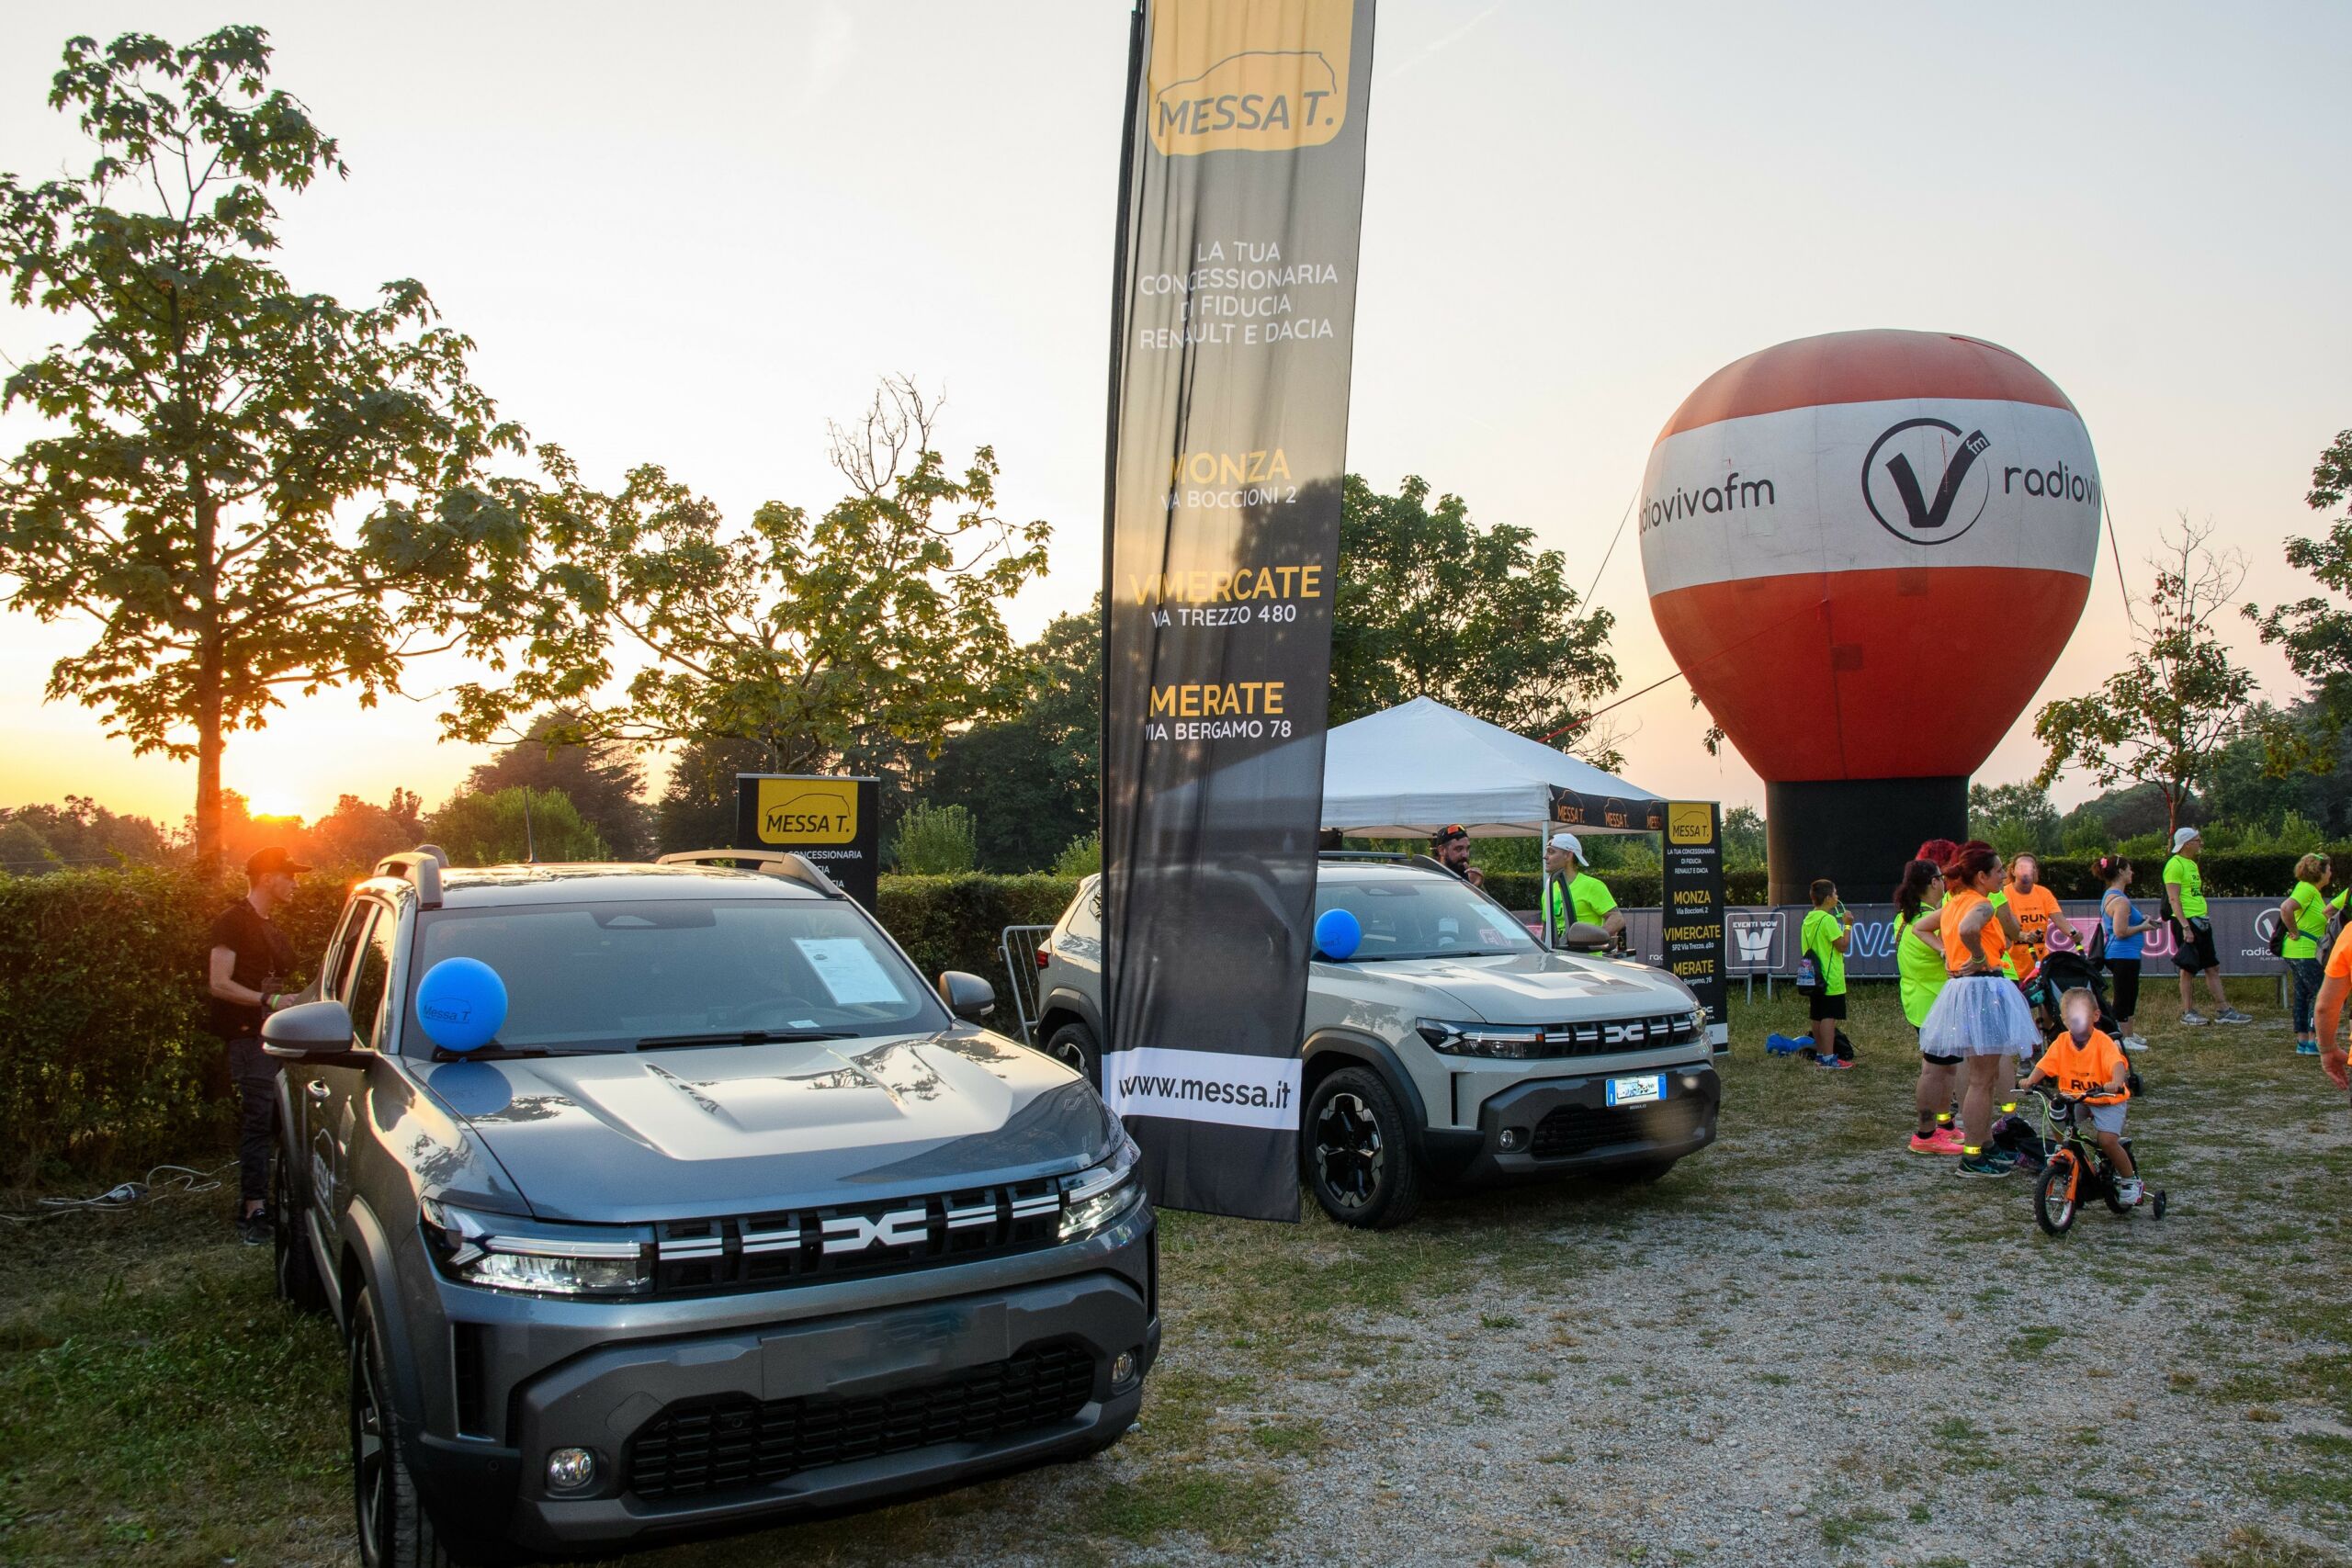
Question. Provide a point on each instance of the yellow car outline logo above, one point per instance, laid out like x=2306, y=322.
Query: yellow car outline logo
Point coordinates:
x=1230, y=75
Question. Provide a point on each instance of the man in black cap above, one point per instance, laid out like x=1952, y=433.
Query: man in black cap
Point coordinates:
x=1450, y=845
x=252, y=965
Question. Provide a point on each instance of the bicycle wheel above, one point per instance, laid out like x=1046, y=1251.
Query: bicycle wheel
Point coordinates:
x=2054, y=1192
x=2109, y=1185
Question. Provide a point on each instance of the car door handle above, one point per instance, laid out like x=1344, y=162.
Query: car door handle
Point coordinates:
x=316, y=1090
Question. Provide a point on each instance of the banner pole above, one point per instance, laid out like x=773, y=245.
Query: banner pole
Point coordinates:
x=1111, y=424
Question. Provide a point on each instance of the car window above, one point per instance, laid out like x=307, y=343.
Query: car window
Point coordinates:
x=604, y=976
x=337, y=984
x=1086, y=913
x=1418, y=917
x=370, y=975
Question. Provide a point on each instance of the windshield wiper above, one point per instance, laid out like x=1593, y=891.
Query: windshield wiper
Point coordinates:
x=744, y=1037
x=494, y=1054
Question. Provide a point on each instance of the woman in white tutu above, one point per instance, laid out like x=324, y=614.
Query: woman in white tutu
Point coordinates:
x=1980, y=1017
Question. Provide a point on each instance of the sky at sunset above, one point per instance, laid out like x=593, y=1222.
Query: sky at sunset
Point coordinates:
x=691, y=234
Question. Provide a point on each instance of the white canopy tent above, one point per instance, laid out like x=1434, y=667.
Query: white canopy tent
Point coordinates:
x=1410, y=770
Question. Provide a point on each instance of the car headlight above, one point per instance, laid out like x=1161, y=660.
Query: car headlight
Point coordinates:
x=502, y=1252
x=1096, y=1196
x=1512, y=1041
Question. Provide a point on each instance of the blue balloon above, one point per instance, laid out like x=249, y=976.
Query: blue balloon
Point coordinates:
x=1338, y=934
x=461, y=1002
x=472, y=1088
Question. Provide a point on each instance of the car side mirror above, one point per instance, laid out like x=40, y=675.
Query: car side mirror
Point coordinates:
x=967, y=996
x=1584, y=937
x=318, y=1032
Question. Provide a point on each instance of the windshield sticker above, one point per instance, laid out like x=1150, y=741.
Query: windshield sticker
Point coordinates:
x=845, y=967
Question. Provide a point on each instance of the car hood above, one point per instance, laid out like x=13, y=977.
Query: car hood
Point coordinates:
x=1530, y=987
x=734, y=1129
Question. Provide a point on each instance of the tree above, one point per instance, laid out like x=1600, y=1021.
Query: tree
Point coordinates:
x=2013, y=818
x=214, y=422
x=83, y=833
x=878, y=622
x=933, y=840
x=2316, y=632
x=513, y=824
x=1030, y=780
x=2164, y=718
x=696, y=810
x=1431, y=604
x=358, y=833
x=604, y=779
x=1744, y=839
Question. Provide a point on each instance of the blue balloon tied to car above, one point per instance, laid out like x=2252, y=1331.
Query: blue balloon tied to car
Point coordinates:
x=1338, y=934
x=461, y=1002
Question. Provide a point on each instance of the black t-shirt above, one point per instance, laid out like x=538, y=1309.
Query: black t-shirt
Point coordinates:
x=265, y=963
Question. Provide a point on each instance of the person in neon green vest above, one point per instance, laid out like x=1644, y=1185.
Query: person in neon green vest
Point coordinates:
x=2305, y=915
x=1572, y=895
x=2192, y=931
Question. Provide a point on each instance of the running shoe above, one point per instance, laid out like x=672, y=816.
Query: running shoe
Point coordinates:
x=2306, y=1047
x=1938, y=1142
x=2194, y=1018
x=2231, y=1015
x=1832, y=1064
x=2133, y=1043
x=253, y=1229
x=1980, y=1167
x=1779, y=1045
x=2129, y=1191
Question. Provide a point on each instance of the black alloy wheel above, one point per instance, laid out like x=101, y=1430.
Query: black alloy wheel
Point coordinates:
x=1355, y=1146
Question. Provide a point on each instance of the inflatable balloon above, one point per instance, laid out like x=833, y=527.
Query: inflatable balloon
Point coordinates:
x=461, y=1002
x=1338, y=934
x=472, y=1088
x=1865, y=551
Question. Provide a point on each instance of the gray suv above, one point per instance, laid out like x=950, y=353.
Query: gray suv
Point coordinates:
x=734, y=1221
x=1451, y=1047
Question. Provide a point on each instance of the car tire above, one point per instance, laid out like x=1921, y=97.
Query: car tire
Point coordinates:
x=394, y=1532
x=1356, y=1148
x=296, y=1266
x=1073, y=1046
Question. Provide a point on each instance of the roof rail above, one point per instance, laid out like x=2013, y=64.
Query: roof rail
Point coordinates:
x=775, y=863
x=1392, y=857
x=421, y=869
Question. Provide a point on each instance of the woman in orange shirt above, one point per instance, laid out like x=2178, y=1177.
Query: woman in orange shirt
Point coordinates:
x=1980, y=1017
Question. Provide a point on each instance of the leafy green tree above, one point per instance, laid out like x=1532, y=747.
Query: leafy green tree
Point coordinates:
x=1079, y=857
x=696, y=809
x=215, y=427
x=935, y=841
x=2013, y=818
x=1744, y=839
x=513, y=824
x=1431, y=603
x=2165, y=717
x=83, y=833
x=23, y=852
x=2316, y=632
x=813, y=637
x=1030, y=780
x=604, y=779
x=359, y=833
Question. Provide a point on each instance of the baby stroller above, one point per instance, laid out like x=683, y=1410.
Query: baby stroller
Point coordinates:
x=2062, y=972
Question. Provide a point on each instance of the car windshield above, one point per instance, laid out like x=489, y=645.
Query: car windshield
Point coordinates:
x=677, y=972
x=1421, y=917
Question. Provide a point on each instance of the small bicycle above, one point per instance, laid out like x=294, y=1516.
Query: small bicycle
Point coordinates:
x=2075, y=1170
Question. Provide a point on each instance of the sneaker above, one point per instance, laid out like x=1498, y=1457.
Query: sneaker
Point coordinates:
x=1947, y=1142
x=2306, y=1047
x=1779, y=1045
x=1938, y=1142
x=254, y=1230
x=2133, y=1043
x=1831, y=1064
x=2129, y=1191
x=1977, y=1166
x=2231, y=1015
x=2194, y=1018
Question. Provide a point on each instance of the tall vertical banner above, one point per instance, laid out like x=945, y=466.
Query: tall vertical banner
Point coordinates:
x=1693, y=916
x=1241, y=199
x=836, y=822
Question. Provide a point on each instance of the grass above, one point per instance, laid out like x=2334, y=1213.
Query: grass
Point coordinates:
x=157, y=1406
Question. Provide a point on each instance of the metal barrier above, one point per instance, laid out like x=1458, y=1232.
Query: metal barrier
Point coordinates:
x=1019, y=945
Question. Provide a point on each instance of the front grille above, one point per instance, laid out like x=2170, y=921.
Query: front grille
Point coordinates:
x=1570, y=1130
x=854, y=1240
x=699, y=1446
x=1612, y=1035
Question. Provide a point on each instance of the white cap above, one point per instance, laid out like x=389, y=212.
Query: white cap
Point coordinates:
x=1568, y=843
x=2182, y=836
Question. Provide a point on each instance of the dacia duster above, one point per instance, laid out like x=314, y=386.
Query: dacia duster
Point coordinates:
x=734, y=1221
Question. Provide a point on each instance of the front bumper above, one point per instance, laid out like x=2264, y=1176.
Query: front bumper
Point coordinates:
x=751, y=1424
x=1565, y=1125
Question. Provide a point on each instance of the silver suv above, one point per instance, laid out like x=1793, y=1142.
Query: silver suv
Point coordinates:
x=734, y=1221
x=1451, y=1045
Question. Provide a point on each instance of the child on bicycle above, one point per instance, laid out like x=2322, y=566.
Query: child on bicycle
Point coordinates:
x=2086, y=1062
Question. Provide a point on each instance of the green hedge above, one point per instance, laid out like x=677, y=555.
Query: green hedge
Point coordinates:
x=955, y=922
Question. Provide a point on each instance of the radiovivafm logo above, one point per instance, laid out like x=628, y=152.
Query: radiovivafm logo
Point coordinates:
x=808, y=811
x=1913, y=455
x=1249, y=76
x=1691, y=823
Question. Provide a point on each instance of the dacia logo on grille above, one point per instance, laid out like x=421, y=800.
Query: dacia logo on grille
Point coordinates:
x=856, y=1233
x=1620, y=1033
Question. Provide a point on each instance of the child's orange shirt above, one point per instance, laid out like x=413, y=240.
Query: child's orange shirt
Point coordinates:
x=2085, y=1069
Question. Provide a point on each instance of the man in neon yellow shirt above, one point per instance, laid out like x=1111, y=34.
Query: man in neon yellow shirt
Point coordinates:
x=2192, y=931
x=1572, y=894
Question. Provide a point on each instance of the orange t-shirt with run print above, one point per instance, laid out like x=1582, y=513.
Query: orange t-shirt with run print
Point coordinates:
x=1990, y=941
x=2339, y=957
x=2034, y=911
x=2085, y=1069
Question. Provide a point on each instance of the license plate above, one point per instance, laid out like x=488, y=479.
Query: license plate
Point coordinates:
x=1647, y=1090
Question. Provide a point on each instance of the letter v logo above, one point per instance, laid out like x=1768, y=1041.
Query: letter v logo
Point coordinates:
x=1891, y=489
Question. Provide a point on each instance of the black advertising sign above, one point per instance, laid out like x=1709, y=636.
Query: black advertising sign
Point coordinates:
x=1241, y=202
x=1576, y=812
x=835, y=822
x=1692, y=921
